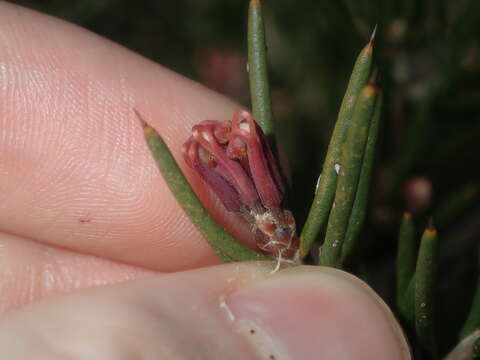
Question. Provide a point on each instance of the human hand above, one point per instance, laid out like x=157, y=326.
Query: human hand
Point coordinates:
x=83, y=206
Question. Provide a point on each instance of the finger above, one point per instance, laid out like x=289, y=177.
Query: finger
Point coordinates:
x=74, y=168
x=30, y=271
x=224, y=312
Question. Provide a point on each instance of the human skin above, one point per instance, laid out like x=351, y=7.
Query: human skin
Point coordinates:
x=83, y=208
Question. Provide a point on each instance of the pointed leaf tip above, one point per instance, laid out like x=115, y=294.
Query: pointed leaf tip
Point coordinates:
x=139, y=117
x=147, y=129
x=374, y=34
x=370, y=91
x=327, y=183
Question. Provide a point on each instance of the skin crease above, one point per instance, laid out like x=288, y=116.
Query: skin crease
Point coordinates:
x=82, y=205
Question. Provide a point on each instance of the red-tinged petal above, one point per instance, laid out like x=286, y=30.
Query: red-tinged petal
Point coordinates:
x=219, y=185
x=272, y=162
x=231, y=170
x=221, y=130
x=260, y=160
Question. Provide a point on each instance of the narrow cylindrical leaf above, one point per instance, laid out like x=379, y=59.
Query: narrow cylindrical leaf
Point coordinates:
x=406, y=255
x=348, y=168
x=225, y=246
x=359, y=210
x=473, y=320
x=406, y=302
x=327, y=181
x=424, y=291
x=257, y=69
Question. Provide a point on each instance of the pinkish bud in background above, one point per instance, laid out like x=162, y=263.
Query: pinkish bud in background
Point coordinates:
x=418, y=194
x=235, y=160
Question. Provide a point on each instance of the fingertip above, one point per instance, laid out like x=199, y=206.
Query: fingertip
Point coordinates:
x=235, y=311
x=316, y=312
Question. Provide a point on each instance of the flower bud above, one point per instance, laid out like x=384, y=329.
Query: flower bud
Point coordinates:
x=235, y=161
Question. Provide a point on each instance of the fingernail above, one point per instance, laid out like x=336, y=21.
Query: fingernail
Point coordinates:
x=316, y=313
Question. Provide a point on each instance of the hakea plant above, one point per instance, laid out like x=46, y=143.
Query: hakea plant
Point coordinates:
x=235, y=160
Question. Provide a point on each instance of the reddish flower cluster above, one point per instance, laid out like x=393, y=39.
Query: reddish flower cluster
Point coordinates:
x=234, y=159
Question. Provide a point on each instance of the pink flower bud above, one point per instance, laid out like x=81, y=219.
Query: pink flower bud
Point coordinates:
x=235, y=160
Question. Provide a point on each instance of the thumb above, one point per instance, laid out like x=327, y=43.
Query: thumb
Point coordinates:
x=236, y=311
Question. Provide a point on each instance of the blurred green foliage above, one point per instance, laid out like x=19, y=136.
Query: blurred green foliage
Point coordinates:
x=428, y=52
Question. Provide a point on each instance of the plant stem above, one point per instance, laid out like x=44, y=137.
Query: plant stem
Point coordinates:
x=327, y=181
x=226, y=247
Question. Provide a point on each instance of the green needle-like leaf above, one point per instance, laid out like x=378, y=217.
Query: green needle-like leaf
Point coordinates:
x=473, y=320
x=348, y=168
x=359, y=210
x=406, y=256
x=406, y=304
x=328, y=179
x=424, y=291
x=257, y=69
x=225, y=246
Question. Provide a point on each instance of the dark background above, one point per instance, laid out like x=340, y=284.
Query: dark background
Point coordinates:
x=428, y=55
